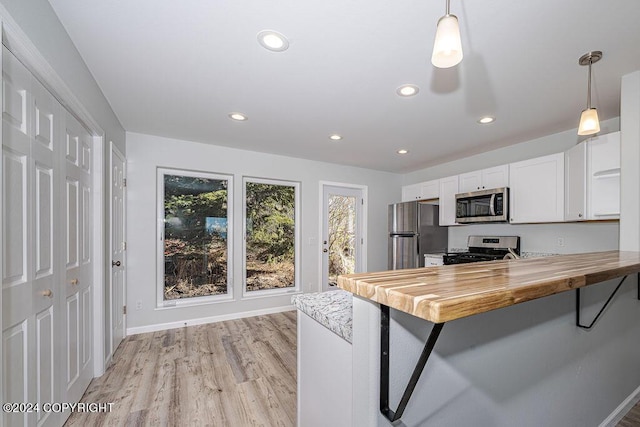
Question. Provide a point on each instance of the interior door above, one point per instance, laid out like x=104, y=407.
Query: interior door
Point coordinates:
x=117, y=284
x=77, y=194
x=342, y=233
x=30, y=318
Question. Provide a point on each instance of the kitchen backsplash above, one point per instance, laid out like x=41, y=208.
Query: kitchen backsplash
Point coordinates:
x=545, y=239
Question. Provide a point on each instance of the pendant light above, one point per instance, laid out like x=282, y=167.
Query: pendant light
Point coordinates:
x=589, y=123
x=447, y=48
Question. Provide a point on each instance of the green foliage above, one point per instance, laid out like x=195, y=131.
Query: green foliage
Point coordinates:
x=270, y=221
x=188, y=201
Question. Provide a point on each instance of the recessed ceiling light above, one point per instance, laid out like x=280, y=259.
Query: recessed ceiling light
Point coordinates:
x=407, y=90
x=273, y=40
x=486, y=120
x=403, y=151
x=335, y=137
x=238, y=117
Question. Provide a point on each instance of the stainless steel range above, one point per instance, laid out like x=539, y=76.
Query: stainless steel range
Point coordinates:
x=486, y=248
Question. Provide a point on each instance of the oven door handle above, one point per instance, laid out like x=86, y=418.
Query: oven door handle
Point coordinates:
x=492, y=205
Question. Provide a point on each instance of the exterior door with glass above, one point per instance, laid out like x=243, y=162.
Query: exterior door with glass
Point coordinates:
x=342, y=233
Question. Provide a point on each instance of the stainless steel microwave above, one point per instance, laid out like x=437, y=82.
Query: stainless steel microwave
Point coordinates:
x=483, y=206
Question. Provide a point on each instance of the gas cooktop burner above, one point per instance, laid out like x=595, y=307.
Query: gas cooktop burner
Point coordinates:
x=485, y=248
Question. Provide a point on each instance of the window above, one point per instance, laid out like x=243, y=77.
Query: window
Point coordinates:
x=195, y=218
x=271, y=236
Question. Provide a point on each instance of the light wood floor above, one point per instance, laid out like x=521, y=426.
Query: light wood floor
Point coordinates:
x=233, y=373
x=632, y=419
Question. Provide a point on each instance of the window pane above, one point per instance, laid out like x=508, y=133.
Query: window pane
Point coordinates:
x=195, y=236
x=342, y=235
x=270, y=246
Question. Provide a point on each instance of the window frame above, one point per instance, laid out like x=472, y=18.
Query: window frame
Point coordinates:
x=297, y=240
x=161, y=303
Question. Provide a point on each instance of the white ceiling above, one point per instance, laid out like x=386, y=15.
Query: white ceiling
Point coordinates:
x=178, y=68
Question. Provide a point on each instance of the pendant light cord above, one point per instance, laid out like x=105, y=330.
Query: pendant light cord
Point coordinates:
x=589, y=86
x=447, y=11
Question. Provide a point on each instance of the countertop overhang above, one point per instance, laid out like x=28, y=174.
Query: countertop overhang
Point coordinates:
x=444, y=293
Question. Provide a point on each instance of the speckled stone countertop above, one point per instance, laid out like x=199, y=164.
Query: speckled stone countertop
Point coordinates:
x=332, y=309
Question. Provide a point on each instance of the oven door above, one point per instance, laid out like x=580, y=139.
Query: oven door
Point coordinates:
x=483, y=206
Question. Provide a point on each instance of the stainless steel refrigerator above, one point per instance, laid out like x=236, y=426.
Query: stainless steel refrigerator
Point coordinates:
x=413, y=232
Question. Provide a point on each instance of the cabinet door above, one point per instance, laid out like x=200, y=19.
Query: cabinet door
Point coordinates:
x=537, y=189
x=430, y=189
x=575, y=196
x=470, y=181
x=411, y=192
x=604, y=176
x=448, y=191
x=496, y=177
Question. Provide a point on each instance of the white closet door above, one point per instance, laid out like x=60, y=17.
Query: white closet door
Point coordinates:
x=29, y=315
x=77, y=304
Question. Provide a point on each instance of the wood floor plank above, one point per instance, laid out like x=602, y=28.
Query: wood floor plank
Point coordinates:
x=632, y=419
x=234, y=373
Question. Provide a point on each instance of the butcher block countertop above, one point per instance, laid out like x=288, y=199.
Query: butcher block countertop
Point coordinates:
x=444, y=293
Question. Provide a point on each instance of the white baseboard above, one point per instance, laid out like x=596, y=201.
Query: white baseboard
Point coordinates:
x=203, y=320
x=614, y=418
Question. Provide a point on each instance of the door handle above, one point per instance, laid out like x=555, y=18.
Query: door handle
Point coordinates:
x=116, y=263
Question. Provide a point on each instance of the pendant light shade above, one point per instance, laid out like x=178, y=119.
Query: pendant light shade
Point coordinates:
x=589, y=122
x=447, y=47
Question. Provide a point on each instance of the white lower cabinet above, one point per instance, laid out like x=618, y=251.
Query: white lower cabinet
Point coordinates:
x=325, y=380
x=448, y=191
x=537, y=190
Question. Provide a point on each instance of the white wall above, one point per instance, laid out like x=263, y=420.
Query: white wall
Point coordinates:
x=146, y=153
x=630, y=156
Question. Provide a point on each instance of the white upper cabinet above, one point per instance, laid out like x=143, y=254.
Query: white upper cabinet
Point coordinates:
x=575, y=191
x=421, y=191
x=484, y=179
x=448, y=191
x=430, y=189
x=603, y=177
x=592, y=179
x=537, y=190
x=410, y=192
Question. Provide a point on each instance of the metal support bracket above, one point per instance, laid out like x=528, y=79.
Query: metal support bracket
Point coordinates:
x=578, y=324
x=388, y=413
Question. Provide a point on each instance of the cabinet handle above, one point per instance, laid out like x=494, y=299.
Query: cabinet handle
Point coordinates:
x=47, y=293
x=74, y=281
x=325, y=250
x=116, y=263
x=579, y=215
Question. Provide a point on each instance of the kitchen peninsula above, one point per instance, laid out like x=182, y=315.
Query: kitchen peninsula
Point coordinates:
x=451, y=292
x=484, y=351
